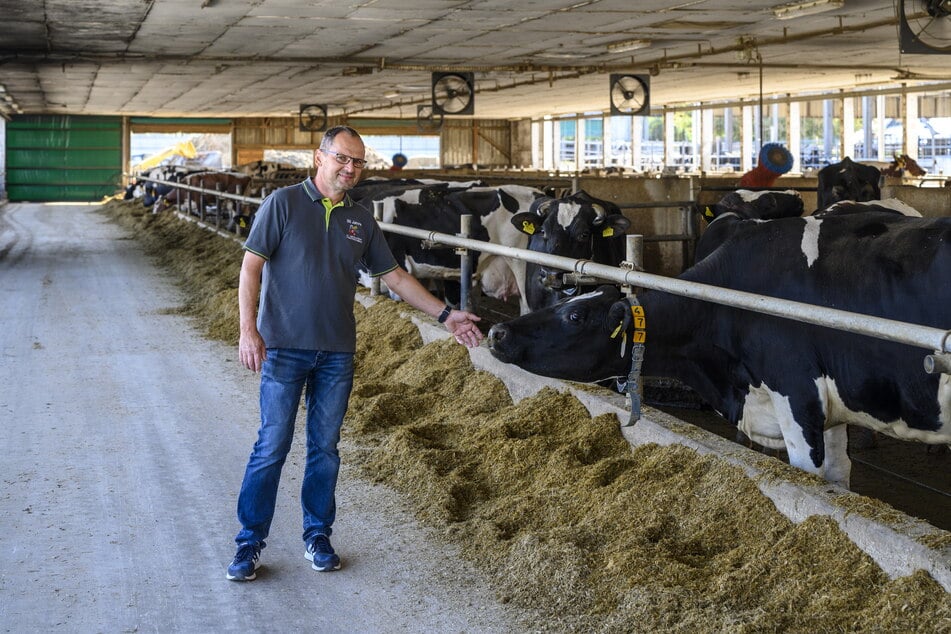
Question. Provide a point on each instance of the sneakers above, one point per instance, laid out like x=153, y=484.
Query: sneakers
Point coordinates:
x=321, y=553
x=245, y=562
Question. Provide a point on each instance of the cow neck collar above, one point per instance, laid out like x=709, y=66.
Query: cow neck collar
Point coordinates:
x=638, y=319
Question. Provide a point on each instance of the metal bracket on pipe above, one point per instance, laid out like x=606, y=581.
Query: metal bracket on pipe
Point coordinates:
x=938, y=364
x=433, y=245
x=579, y=279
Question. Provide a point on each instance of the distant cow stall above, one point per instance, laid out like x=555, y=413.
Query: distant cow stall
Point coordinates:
x=266, y=176
x=200, y=194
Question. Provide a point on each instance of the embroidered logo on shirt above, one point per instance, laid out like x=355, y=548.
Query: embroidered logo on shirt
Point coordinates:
x=355, y=231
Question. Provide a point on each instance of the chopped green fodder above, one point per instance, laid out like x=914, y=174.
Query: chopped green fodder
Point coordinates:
x=554, y=506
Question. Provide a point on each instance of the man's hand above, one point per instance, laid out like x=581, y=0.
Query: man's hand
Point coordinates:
x=462, y=326
x=251, y=351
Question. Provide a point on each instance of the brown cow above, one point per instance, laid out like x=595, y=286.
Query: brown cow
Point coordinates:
x=904, y=163
x=200, y=204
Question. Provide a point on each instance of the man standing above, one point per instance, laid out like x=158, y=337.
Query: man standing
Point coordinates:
x=300, y=259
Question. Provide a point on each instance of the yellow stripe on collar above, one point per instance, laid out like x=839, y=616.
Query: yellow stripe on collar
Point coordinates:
x=329, y=206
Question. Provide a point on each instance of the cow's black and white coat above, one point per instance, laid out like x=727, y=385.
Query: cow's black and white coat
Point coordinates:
x=782, y=382
x=437, y=206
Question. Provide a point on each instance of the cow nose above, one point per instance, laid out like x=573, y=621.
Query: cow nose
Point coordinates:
x=496, y=335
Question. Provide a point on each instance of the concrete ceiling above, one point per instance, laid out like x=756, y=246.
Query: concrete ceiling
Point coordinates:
x=374, y=58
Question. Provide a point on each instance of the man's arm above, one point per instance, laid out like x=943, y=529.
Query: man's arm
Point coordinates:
x=251, y=350
x=460, y=323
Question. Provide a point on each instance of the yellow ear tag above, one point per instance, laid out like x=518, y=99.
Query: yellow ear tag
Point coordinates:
x=528, y=227
x=617, y=330
x=608, y=232
x=708, y=212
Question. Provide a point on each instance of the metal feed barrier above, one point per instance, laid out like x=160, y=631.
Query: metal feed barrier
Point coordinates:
x=925, y=337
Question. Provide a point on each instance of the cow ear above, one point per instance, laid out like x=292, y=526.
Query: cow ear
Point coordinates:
x=619, y=318
x=614, y=224
x=526, y=222
x=541, y=205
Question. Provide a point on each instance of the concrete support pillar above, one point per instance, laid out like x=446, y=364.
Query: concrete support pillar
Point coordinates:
x=795, y=134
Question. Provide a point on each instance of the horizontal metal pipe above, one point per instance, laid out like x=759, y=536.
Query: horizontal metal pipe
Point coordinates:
x=211, y=192
x=660, y=203
x=878, y=327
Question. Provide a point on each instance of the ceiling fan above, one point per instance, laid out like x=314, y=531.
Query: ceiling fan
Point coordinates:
x=630, y=94
x=427, y=120
x=454, y=93
x=312, y=117
x=924, y=26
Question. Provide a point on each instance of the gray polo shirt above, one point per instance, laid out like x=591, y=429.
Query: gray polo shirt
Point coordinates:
x=310, y=278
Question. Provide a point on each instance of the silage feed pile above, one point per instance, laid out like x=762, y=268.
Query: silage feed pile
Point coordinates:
x=558, y=511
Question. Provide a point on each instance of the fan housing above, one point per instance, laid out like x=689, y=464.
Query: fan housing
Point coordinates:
x=453, y=93
x=427, y=119
x=312, y=117
x=924, y=26
x=629, y=94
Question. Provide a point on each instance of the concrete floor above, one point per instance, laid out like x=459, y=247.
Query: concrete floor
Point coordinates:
x=124, y=439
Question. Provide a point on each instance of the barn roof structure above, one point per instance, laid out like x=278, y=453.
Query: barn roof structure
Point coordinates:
x=253, y=58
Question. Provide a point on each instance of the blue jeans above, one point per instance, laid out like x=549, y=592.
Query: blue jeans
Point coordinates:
x=328, y=377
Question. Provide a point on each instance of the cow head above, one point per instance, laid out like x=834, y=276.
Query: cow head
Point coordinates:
x=761, y=205
x=847, y=180
x=579, y=227
x=585, y=338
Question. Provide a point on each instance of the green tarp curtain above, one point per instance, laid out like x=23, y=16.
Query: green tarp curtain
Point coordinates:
x=63, y=158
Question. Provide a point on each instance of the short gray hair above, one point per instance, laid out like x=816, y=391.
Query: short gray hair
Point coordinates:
x=332, y=133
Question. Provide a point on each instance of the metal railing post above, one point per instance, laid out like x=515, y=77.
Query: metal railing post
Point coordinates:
x=633, y=258
x=465, y=264
x=378, y=214
x=218, y=206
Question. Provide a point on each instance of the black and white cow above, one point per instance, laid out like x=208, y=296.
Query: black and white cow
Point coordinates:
x=744, y=204
x=577, y=226
x=847, y=180
x=437, y=206
x=154, y=193
x=783, y=383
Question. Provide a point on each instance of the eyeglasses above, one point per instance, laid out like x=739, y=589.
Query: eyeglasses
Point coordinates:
x=343, y=159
